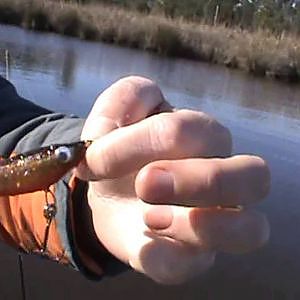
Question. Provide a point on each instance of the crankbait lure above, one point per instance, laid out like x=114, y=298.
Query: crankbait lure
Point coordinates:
x=38, y=170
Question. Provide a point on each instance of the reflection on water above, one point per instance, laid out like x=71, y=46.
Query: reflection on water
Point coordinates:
x=56, y=71
x=57, y=56
x=264, y=116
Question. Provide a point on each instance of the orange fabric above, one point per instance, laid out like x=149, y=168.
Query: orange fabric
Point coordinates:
x=88, y=260
x=23, y=224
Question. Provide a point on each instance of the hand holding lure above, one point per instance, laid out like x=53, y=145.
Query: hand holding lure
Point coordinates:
x=38, y=170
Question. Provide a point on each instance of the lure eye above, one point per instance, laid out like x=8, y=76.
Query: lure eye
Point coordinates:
x=63, y=154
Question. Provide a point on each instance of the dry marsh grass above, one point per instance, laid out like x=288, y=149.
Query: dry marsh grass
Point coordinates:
x=260, y=53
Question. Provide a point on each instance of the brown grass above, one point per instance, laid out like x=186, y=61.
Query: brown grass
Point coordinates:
x=259, y=53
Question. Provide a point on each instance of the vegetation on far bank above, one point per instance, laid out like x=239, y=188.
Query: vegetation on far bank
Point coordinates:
x=274, y=15
x=260, y=51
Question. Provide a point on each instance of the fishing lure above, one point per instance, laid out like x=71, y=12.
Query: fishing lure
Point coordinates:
x=39, y=169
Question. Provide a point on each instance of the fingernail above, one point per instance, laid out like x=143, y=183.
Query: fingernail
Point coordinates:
x=162, y=185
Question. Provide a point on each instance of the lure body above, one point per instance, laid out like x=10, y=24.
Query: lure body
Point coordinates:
x=37, y=170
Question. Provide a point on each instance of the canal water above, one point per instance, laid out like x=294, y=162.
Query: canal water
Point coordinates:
x=66, y=75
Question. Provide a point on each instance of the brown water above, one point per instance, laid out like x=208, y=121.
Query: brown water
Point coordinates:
x=264, y=116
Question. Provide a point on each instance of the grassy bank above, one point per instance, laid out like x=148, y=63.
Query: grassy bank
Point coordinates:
x=259, y=52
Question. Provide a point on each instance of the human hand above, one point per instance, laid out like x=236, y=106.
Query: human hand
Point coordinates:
x=163, y=190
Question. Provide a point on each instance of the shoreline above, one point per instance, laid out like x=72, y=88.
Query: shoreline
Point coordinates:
x=259, y=53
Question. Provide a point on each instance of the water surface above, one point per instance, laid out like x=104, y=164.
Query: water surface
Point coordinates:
x=67, y=74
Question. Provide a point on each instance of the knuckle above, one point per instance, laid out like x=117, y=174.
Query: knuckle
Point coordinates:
x=167, y=134
x=191, y=133
x=226, y=139
x=216, y=139
x=175, y=133
x=222, y=137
